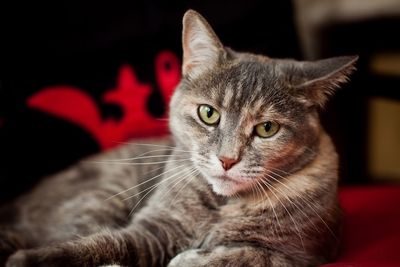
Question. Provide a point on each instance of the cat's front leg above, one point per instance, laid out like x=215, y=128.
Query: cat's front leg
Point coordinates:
x=149, y=242
x=47, y=257
x=92, y=251
x=224, y=256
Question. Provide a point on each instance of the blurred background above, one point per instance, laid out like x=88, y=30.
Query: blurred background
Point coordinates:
x=77, y=77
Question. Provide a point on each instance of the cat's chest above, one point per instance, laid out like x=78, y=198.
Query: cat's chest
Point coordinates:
x=237, y=222
x=241, y=208
x=233, y=209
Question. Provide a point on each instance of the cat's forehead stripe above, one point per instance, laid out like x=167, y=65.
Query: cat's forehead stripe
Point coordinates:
x=228, y=96
x=241, y=88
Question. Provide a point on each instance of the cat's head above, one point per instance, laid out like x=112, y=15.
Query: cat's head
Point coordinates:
x=244, y=116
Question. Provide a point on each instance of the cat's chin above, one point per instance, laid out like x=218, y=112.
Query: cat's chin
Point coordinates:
x=226, y=186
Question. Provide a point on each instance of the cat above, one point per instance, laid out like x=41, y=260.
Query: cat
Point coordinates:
x=248, y=179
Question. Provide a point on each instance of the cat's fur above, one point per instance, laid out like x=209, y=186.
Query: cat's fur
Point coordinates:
x=277, y=206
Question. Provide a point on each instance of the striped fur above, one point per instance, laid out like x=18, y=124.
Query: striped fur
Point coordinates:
x=277, y=206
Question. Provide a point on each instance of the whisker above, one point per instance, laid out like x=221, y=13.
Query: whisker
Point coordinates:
x=138, y=157
x=145, y=153
x=253, y=191
x=154, y=145
x=157, y=184
x=283, y=205
x=143, y=144
x=260, y=193
x=293, y=203
x=303, y=198
x=272, y=206
x=175, y=183
x=189, y=180
x=143, y=197
x=144, y=182
x=279, y=170
x=153, y=170
x=140, y=200
x=141, y=163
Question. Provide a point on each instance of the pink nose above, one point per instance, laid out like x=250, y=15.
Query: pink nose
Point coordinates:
x=228, y=163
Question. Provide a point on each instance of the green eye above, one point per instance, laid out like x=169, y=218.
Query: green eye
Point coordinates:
x=208, y=114
x=267, y=129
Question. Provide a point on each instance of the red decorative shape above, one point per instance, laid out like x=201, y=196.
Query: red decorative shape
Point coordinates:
x=76, y=106
x=168, y=73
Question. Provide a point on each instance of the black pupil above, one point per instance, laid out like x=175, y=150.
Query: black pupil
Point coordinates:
x=210, y=112
x=267, y=126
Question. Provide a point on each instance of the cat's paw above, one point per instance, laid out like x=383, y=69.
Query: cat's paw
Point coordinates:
x=188, y=258
x=9, y=243
x=18, y=259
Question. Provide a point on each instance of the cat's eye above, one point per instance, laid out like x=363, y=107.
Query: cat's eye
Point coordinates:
x=208, y=115
x=267, y=129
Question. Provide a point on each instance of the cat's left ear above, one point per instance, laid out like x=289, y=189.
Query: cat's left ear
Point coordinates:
x=201, y=47
x=317, y=80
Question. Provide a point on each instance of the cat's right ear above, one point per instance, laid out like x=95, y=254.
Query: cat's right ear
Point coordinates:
x=317, y=80
x=201, y=46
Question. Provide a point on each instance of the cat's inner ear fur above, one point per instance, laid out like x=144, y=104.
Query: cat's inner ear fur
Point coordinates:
x=315, y=81
x=201, y=46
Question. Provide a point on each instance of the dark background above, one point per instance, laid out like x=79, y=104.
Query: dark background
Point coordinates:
x=84, y=43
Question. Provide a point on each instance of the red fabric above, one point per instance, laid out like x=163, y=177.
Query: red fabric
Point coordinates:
x=371, y=236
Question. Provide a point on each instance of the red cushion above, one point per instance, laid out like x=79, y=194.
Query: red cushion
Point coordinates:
x=371, y=234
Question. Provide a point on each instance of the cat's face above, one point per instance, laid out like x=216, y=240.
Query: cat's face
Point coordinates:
x=241, y=117
x=246, y=118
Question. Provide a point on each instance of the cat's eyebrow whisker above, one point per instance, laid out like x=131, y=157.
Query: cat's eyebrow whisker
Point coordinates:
x=288, y=212
x=310, y=205
x=144, y=182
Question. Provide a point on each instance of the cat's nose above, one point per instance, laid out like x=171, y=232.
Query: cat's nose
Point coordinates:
x=228, y=163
